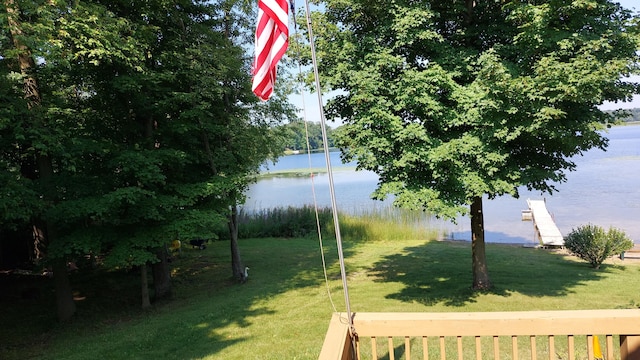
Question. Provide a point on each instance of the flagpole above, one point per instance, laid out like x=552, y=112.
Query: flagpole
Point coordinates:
x=325, y=142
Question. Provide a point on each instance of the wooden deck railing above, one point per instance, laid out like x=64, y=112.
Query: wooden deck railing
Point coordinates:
x=580, y=334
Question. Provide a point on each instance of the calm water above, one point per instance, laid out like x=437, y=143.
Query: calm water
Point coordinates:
x=604, y=190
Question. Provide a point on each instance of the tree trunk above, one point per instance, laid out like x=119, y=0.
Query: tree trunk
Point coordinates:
x=25, y=60
x=162, y=276
x=144, y=287
x=161, y=270
x=481, y=279
x=64, y=296
x=38, y=241
x=237, y=268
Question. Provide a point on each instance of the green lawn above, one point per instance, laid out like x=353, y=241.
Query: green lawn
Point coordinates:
x=282, y=312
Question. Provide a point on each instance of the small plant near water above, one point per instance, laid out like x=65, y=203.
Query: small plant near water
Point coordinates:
x=593, y=244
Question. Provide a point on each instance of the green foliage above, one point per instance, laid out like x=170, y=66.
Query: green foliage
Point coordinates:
x=453, y=102
x=147, y=118
x=448, y=102
x=622, y=116
x=389, y=225
x=593, y=244
x=301, y=222
x=298, y=131
x=282, y=222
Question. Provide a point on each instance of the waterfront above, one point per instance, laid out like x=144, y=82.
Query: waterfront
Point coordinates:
x=604, y=190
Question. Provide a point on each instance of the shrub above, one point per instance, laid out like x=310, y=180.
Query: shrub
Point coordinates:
x=593, y=244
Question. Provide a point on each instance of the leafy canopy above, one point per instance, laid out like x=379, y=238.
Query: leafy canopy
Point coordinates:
x=452, y=100
x=147, y=116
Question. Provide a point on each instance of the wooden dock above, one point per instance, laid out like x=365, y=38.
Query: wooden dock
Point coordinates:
x=545, y=227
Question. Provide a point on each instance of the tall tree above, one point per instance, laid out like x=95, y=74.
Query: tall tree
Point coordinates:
x=244, y=133
x=37, y=158
x=452, y=101
x=185, y=114
x=149, y=124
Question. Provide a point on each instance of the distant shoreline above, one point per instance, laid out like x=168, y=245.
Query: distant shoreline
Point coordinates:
x=302, y=172
x=306, y=172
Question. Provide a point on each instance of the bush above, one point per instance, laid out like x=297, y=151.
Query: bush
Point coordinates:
x=593, y=244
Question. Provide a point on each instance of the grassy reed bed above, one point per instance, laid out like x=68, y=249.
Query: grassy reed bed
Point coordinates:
x=384, y=223
x=282, y=312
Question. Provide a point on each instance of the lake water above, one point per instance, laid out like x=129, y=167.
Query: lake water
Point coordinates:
x=604, y=190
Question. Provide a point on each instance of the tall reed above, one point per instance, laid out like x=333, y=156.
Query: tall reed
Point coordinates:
x=376, y=224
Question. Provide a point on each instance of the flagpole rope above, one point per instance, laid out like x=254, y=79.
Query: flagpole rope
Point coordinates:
x=325, y=142
x=313, y=187
x=271, y=44
x=319, y=229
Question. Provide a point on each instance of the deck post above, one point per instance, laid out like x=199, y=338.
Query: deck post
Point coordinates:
x=337, y=342
x=630, y=347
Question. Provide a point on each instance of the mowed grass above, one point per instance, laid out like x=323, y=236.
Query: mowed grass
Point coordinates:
x=283, y=311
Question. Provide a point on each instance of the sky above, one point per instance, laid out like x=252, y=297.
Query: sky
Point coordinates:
x=311, y=102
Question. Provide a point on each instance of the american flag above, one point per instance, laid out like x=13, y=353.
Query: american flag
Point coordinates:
x=272, y=35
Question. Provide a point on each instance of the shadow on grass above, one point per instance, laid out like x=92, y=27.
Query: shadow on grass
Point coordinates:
x=441, y=272
x=208, y=313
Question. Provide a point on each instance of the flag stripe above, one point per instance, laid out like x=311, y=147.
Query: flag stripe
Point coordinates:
x=272, y=35
x=278, y=10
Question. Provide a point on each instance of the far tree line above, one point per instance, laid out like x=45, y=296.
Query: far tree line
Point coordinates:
x=296, y=135
x=631, y=115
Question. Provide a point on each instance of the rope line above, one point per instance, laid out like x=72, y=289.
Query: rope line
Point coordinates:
x=313, y=190
x=334, y=206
